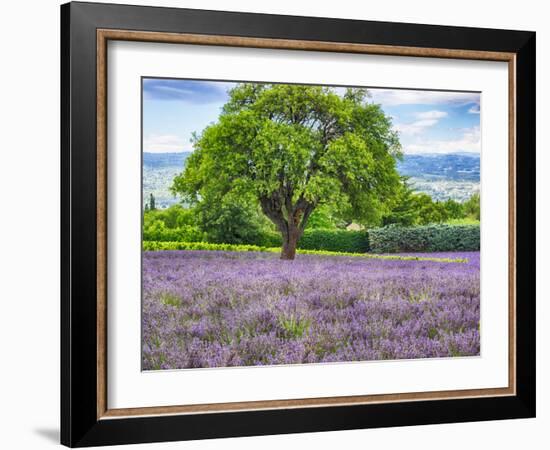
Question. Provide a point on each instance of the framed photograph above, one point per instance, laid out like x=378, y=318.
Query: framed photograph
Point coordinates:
x=278, y=224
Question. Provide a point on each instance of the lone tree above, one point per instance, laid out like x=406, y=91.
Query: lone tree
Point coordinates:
x=292, y=148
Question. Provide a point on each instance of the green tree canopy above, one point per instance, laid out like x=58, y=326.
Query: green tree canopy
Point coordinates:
x=404, y=210
x=231, y=219
x=293, y=148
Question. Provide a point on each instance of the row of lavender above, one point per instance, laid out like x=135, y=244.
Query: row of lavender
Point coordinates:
x=218, y=309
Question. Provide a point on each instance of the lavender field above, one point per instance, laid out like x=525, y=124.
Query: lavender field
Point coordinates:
x=219, y=309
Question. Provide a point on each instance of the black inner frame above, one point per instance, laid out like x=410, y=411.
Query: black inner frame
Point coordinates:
x=79, y=423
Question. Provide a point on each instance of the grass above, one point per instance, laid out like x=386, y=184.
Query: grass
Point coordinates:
x=464, y=221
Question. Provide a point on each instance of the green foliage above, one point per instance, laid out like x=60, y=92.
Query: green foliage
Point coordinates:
x=429, y=238
x=239, y=223
x=293, y=327
x=335, y=240
x=268, y=238
x=292, y=148
x=232, y=220
x=172, y=224
x=327, y=217
x=173, y=217
x=453, y=209
x=176, y=245
x=428, y=211
x=158, y=231
x=463, y=221
x=320, y=239
x=159, y=246
x=170, y=299
x=403, y=211
x=411, y=208
x=472, y=207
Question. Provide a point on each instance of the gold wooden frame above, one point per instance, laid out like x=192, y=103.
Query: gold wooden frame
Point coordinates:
x=103, y=36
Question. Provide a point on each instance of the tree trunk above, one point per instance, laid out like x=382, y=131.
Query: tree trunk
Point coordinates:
x=292, y=226
x=290, y=241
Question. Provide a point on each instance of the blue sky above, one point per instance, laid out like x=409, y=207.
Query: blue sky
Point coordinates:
x=427, y=121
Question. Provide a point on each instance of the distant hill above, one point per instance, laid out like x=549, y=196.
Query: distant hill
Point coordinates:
x=158, y=160
x=443, y=176
x=453, y=166
x=159, y=169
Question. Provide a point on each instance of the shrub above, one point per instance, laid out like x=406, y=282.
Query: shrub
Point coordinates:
x=164, y=245
x=159, y=246
x=429, y=238
x=472, y=206
x=268, y=239
x=157, y=231
x=463, y=221
x=173, y=217
x=232, y=221
x=320, y=239
x=335, y=241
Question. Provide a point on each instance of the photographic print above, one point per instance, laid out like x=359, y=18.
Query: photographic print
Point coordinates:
x=295, y=224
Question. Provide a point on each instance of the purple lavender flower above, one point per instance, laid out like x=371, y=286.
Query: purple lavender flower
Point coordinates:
x=220, y=309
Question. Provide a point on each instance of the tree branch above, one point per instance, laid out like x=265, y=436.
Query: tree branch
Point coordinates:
x=272, y=208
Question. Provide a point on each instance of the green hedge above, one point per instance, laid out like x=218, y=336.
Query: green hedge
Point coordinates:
x=321, y=239
x=268, y=239
x=335, y=241
x=318, y=239
x=164, y=245
x=428, y=238
x=390, y=239
x=158, y=246
x=159, y=232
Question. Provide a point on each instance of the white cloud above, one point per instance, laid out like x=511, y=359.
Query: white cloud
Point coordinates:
x=415, y=128
x=425, y=120
x=427, y=115
x=469, y=142
x=165, y=143
x=393, y=97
